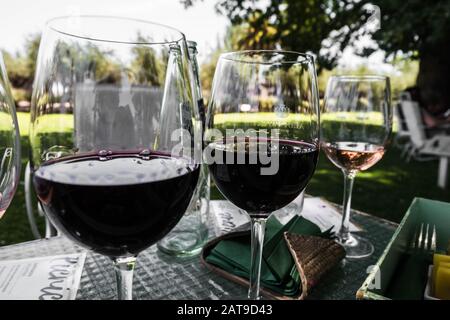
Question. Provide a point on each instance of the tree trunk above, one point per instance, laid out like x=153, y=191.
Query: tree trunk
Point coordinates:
x=434, y=76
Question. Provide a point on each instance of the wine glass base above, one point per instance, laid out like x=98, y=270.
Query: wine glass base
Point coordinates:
x=181, y=243
x=356, y=247
x=249, y=297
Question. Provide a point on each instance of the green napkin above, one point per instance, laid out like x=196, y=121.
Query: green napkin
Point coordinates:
x=278, y=271
x=410, y=277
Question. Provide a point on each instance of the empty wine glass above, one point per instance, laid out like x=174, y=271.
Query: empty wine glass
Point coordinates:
x=113, y=134
x=262, y=135
x=9, y=143
x=356, y=124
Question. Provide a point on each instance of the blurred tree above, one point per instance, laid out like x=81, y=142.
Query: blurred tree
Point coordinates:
x=420, y=29
x=230, y=42
x=99, y=64
x=147, y=66
x=80, y=61
x=297, y=25
x=415, y=28
x=21, y=67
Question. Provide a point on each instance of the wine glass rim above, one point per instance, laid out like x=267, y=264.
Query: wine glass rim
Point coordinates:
x=51, y=24
x=234, y=56
x=365, y=77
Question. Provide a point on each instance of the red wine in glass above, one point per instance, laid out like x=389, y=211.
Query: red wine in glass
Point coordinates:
x=244, y=185
x=116, y=205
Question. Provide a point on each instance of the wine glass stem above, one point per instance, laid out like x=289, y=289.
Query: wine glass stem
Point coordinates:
x=124, y=268
x=257, y=234
x=344, y=232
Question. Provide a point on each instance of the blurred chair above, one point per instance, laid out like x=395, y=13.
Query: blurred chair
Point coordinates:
x=402, y=138
x=437, y=146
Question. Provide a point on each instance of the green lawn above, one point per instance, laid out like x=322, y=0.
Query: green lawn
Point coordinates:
x=386, y=190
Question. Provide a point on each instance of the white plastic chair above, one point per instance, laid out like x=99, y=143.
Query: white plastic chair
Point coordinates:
x=402, y=137
x=438, y=145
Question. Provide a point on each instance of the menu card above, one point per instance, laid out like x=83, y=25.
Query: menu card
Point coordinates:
x=324, y=215
x=228, y=217
x=43, y=278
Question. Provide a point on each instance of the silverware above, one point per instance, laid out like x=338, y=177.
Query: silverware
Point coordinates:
x=424, y=239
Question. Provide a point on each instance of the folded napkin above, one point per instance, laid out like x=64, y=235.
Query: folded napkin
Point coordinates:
x=278, y=271
x=410, y=277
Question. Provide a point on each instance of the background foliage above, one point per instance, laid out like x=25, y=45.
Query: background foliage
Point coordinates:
x=414, y=34
x=416, y=29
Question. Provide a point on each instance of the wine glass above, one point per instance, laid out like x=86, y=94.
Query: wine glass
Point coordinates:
x=356, y=125
x=9, y=142
x=262, y=135
x=191, y=233
x=114, y=131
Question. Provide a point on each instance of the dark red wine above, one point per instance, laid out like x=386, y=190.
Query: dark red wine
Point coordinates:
x=116, y=205
x=244, y=184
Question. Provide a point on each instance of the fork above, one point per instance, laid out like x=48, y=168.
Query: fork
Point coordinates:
x=424, y=240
